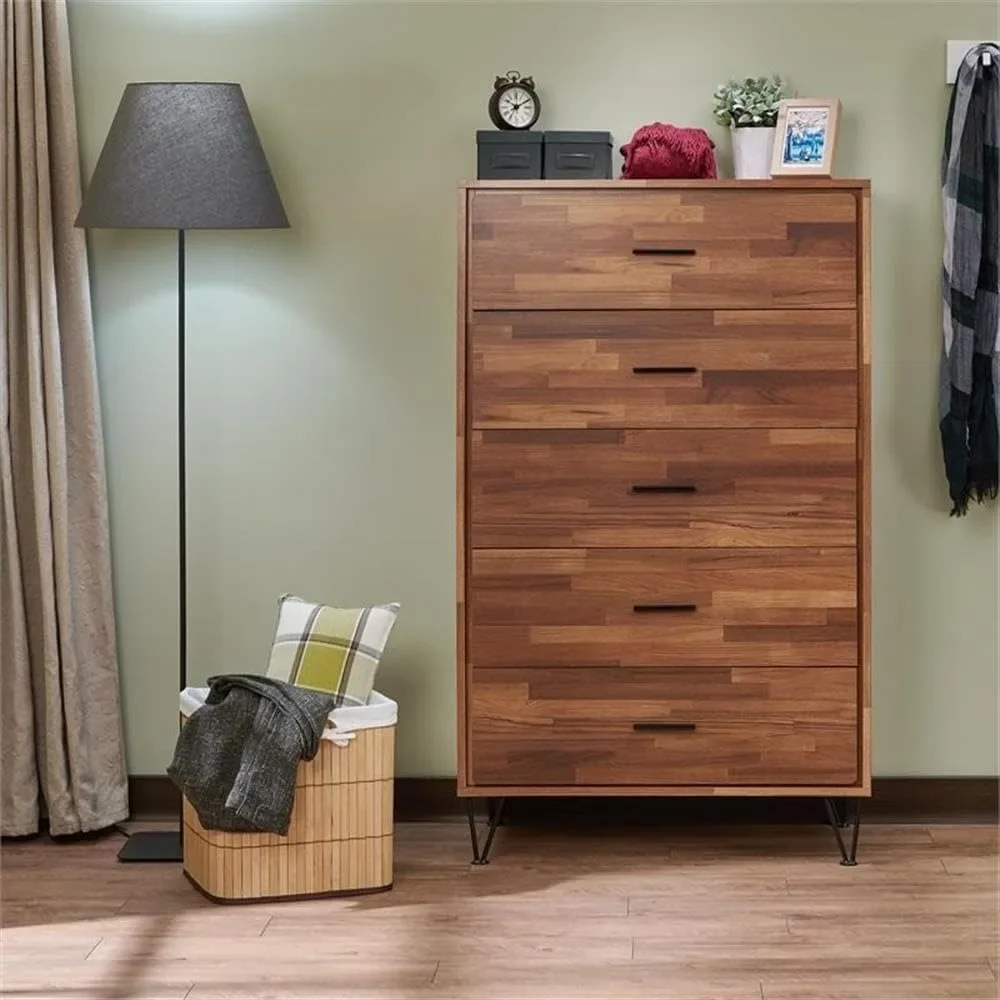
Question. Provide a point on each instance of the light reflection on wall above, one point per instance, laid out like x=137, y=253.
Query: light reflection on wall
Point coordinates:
x=221, y=12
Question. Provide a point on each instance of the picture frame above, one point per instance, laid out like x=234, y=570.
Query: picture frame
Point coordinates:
x=805, y=141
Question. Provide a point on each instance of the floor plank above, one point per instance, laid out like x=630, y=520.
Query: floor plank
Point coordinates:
x=668, y=914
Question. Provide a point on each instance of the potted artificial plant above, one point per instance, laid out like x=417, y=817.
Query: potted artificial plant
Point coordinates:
x=749, y=108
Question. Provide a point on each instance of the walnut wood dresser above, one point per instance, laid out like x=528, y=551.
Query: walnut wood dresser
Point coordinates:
x=663, y=473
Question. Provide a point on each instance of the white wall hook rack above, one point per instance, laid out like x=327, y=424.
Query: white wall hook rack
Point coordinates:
x=955, y=53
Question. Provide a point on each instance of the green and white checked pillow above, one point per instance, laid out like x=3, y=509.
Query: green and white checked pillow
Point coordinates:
x=330, y=649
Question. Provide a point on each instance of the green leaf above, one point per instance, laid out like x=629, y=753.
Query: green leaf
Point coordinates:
x=751, y=100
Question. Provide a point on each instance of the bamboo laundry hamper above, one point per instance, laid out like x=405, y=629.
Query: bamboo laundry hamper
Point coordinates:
x=340, y=841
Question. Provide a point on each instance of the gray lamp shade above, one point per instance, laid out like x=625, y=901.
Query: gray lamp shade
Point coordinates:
x=182, y=156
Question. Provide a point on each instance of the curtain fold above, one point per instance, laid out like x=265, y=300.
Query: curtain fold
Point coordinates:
x=61, y=744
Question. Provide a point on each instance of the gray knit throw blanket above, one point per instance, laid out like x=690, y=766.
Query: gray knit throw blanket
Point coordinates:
x=970, y=371
x=237, y=757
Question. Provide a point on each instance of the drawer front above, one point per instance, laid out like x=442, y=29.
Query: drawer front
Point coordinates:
x=663, y=607
x=652, y=488
x=775, y=368
x=648, y=249
x=715, y=726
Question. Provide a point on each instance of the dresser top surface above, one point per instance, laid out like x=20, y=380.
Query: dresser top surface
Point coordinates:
x=824, y=183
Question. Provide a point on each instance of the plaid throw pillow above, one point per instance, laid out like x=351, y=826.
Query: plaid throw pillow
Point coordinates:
x=330, y=649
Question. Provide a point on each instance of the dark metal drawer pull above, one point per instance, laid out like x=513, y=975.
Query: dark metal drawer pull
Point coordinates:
x=664, y=727
x=664, y=607
x=664, y=488
x=664, y=251
x=664, y=370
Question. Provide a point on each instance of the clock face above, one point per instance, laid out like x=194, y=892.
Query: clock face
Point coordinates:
x=517, y=107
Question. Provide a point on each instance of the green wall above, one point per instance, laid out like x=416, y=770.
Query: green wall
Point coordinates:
x=322, y=358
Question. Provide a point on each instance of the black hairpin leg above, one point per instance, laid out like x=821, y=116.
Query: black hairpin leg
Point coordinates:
x=494, y=814
x=839, y=807
x=851, y=819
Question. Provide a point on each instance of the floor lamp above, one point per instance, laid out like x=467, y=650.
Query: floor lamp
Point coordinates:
x=180, y=156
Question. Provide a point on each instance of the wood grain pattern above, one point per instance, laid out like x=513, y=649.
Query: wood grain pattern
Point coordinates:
x=865, y=485
x=734, y=359
x=743, y=249
x=461, y=475
x=339, y=839
x=855, y=185
x=598, y=488
x=624, y=912
x=577, y=726
x=576, y=607
x=756, y=368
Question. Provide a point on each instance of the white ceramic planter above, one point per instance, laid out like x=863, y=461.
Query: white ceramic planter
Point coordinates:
x=752, y=152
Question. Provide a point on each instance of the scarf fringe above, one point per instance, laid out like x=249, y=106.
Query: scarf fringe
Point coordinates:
x=984, y=486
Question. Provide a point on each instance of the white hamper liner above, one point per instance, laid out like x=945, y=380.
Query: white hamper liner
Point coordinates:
x=344, y=721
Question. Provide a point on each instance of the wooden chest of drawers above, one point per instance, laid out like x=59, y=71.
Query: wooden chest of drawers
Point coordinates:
x=663, y=473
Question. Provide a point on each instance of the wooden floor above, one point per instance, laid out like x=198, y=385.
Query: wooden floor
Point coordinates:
x=719, y=914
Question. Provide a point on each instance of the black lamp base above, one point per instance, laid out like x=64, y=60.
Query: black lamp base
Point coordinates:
x=153, y=845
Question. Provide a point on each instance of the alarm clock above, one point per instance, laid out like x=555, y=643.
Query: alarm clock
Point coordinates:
x=514, y=103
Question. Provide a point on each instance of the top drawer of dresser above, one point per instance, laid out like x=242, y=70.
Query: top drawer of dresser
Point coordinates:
x=648, y=248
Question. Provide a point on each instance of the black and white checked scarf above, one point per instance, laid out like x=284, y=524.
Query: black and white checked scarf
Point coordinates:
x=970, y=373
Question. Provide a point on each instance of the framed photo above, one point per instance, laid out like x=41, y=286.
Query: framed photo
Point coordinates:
x=806, y=139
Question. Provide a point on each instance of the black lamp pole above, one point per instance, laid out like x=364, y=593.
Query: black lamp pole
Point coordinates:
x=181, y=471
x=180, y=156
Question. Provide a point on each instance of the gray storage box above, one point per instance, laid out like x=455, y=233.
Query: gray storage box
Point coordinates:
x=508, y=156
x=576, y=155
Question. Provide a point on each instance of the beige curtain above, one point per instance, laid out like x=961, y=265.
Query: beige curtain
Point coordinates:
x=61, y=747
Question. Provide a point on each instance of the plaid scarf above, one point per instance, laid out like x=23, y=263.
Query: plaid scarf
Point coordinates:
x=970, y=177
